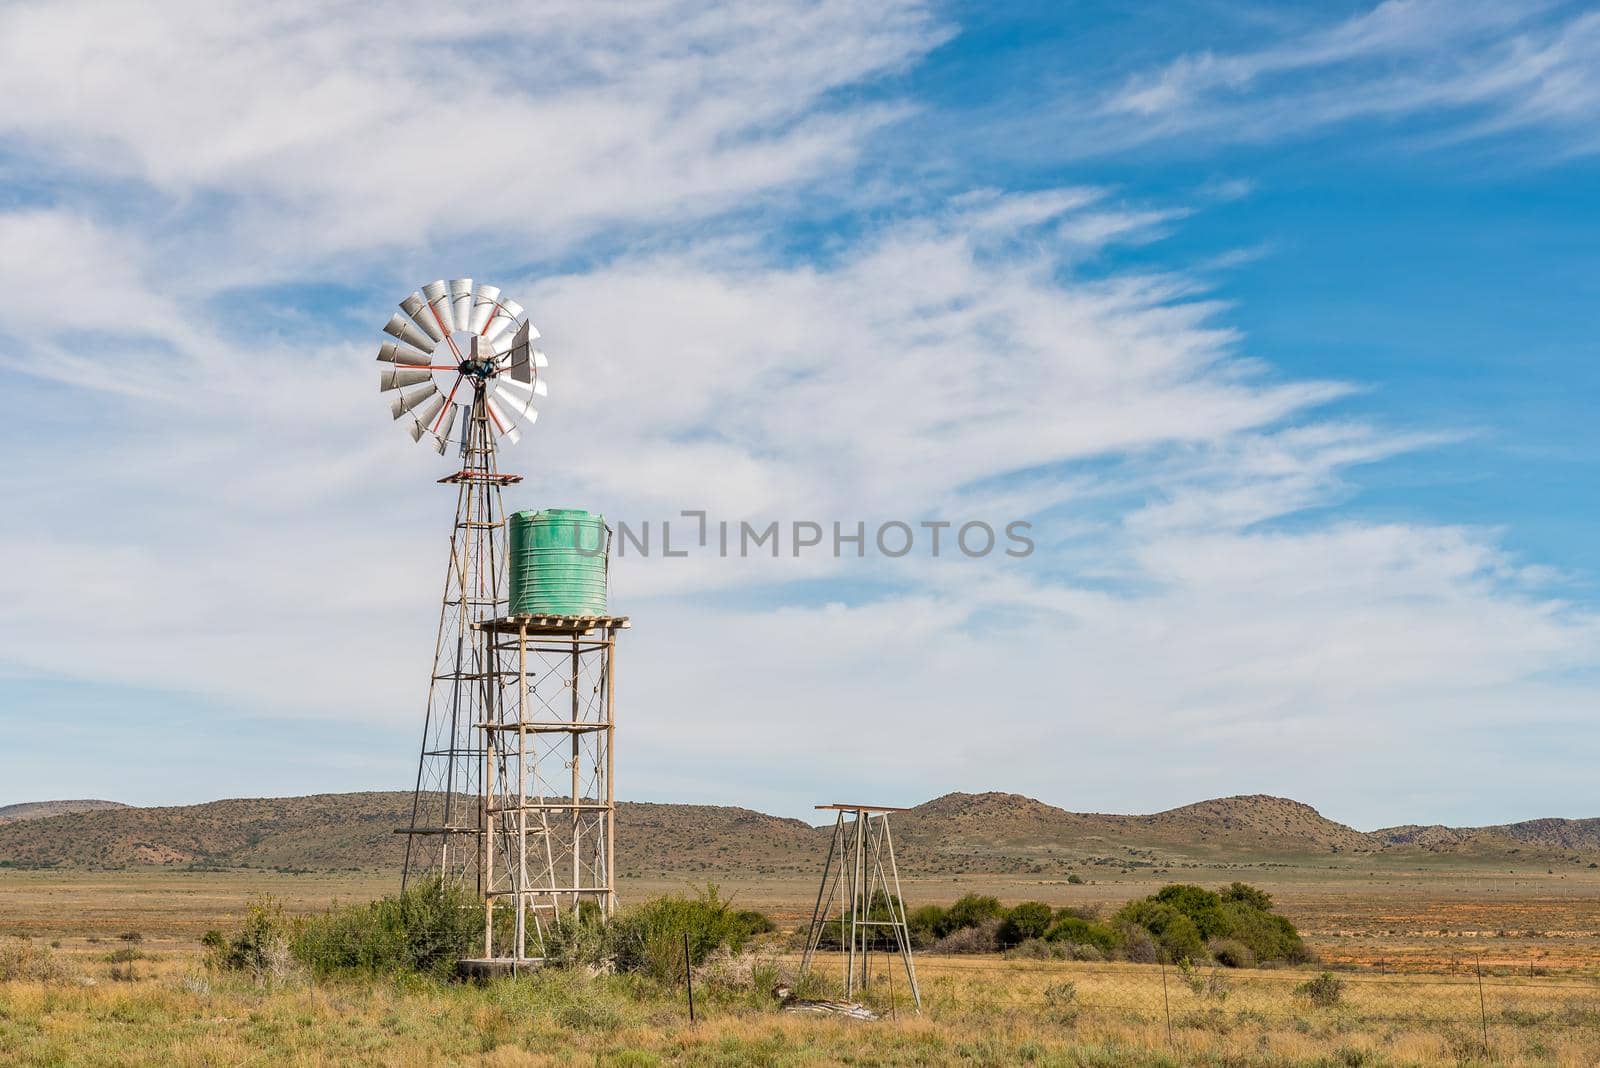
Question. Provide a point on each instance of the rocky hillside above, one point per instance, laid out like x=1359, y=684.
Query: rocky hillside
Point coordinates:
x=32, y=810
x=1552, y=835
x=986, y=832
x=329, y=831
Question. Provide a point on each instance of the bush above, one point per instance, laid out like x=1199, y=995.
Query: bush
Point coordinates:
x=131, y=936
x=1061, y=1001
x=925, y=925
x=1075, y=879
x=1231, y=953
x=1037, y=949
x=1077, y=931
x=1183, y=918
x=1201, y=906
x=971, y=910
x=261, y=948
x=425, y=929
x=1269, y=936
x=24, y=962
x=984, y=938
x=1138, y=945
x=1031, y=919
x=649, y=938
x=1245, y=894
x=1324, y=991
x=124, y=955
x=1175, y=932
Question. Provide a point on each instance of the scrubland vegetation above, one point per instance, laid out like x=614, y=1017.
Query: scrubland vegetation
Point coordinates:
x=368, y=984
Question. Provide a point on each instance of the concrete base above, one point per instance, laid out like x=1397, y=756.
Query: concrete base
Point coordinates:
x=481, y=968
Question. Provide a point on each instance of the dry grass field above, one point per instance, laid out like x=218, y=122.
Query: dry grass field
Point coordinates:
x=1405, y=943
x=167, y=1008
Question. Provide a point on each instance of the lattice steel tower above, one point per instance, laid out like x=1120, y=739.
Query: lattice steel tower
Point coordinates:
x=483, y=390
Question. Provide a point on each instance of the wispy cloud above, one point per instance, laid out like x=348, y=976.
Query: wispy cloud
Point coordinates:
x=245, y=526
x=299, y=131
x=1467, y=69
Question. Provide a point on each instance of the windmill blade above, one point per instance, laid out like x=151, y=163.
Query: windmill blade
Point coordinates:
x=515, y=403
x=400, y=377
x=415, y=307
x=461, y=299
x=513, y=435
x=524, y=392
x=425, y=415
x=400, y=327
x=438, y=298
x=483, y=306
x=401, y=403
x=443, y=431
x=499, y=418
x=395, y=352
x=504, y=319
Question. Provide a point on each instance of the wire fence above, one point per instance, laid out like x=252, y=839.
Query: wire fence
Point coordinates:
x=1463, y=996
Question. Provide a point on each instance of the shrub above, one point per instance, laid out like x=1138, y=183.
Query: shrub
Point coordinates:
x=1245, y=894
x=124, y=955
x=1268, y=936
x=984, y=938
x=1324, y=991
x=1138, y=945
x=1075, y=879
x=131, y=936
x=1078, y=931
x=261, y=948
x=425, y=929
x=925, y=924
x=649, y=938
x=971, y=910
x=1231, y=953
x=1061, y=1001
x=754, y=923
x=1175, y=932
x=1031, y=919
x=22, y=961
x=1210, y=984
x=1037, y=949
x=1182, y=917
x=213, y=939
x=1201, y=906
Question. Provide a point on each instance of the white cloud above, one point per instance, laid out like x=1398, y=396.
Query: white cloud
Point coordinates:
x=230, y=515
x=1478, y=68
x=304, y=130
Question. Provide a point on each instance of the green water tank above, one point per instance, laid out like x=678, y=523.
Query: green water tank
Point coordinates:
x=558, y=563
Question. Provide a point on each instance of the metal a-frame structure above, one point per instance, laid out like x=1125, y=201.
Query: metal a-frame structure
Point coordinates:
x=860, y=877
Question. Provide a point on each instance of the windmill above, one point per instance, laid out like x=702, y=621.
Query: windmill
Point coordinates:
x=461, y=372
x=514, y=793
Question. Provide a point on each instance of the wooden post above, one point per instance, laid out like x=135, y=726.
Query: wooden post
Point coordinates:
x=611, y=765
x=521, y=896
x=577, y=786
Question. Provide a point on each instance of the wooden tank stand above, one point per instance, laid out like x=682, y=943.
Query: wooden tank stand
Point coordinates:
x=549, y=797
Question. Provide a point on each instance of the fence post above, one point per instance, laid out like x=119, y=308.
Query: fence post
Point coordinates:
x=1166, y=1003
x=688, y=974
x=1483, y=1010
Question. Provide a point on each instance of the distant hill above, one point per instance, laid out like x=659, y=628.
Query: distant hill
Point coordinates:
x=327, y=831
x=32, y=810
x=1557, y=835
x=959, y=832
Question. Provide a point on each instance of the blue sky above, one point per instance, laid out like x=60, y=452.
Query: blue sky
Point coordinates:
x=1277, y=322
